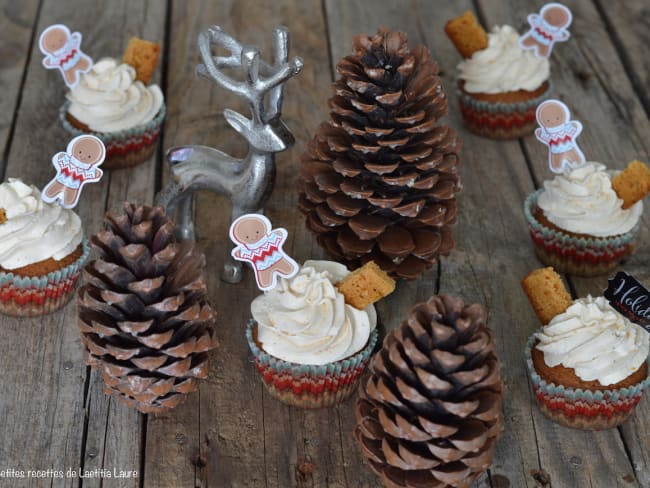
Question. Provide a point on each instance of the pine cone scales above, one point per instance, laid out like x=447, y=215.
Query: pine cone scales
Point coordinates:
x=379, y=179
x=143, y=312
x=430, y=413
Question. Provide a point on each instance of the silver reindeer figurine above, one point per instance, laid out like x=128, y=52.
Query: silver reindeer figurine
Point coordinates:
x=247, y=182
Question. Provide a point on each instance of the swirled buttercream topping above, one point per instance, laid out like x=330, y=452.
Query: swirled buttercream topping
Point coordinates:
x=503, y=66
x=305, y=319
x=595, y=340
x=34, y=230
x=583, y=201
x=109, y=99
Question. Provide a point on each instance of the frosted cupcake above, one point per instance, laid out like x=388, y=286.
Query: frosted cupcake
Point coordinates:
x=113, y=102
x=499, y=83
x=42, y=250
x=588, y=364
x=310, y=346
x=579, y=224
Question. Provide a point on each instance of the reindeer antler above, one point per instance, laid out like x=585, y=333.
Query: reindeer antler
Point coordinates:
x=253, y=88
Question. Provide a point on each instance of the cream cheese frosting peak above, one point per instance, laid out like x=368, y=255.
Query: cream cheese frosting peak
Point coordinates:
x=305, y=319
x=34, y=230
x=108, y=98
x=503, y=66
x=596, y=341
x=583, y=201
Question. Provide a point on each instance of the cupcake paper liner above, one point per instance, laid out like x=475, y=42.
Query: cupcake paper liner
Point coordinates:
x=124, y=148
x=500, y=120
x=310, y=386
x=29, y=296
x=576, y=255
x=583, y=409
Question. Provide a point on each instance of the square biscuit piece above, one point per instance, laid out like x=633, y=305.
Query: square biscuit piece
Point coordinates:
x=467, y=34
x=143, y=56
x=547, y=293
x=632, y=184
x=366, y=285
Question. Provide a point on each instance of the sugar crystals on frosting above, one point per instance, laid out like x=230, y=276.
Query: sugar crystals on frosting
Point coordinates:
x=305, y=319
x=34, y=230
x=596, y=341
x=583, y=201
x=503, y=66
x=108, y=98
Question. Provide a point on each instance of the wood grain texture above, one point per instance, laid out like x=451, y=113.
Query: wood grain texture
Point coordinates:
x=589, y=76
x=231, y=433
x=50, y=412
x=17, y=24
x=628, y=24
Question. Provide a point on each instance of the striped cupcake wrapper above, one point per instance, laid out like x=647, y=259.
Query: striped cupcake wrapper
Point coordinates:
x=583, y=409
x=577, y=255
x=500, y=120
x=29, y=296
x=310, y=386
x=124, y=148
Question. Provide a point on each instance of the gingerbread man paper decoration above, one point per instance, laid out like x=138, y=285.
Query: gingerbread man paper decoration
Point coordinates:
x=559, y=133
x=75, y=167
x=261, y=246
x=62, y=51
x=546, y=28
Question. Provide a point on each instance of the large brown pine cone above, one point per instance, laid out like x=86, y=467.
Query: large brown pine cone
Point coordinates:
x=379, y=179
x=430, y=413
x=145, y=320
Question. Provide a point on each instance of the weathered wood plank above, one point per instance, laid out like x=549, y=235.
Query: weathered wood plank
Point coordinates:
x=17, y=24
x=629, y=25
x=113, y=430
x=588, y=75
x=49, y=409
x=470, y=269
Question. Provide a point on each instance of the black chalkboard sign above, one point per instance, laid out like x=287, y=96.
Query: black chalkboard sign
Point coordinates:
x=630, y=298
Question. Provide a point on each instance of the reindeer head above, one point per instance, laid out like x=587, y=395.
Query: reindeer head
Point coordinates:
x=262, y=86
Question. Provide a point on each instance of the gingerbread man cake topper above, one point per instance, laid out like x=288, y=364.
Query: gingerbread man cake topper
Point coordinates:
x=62, y=50
x=559, y=133
x=75, y=167
x=261, y=246
x=546, y=28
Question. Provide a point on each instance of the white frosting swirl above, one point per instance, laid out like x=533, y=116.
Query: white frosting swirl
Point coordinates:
x=305, y=319
x=503, y=66
x=34, y=230
x=595, y=340
x=583, y=201
x=108, y=98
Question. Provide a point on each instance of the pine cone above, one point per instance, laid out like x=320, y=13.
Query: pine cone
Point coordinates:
x=379, y=179
x=430, y=413
x=145, y=320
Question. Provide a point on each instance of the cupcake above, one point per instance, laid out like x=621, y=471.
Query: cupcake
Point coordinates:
x=499, y=83
x=588, y=364
x=578, y=222
x=310, y=344
x=113, y=102
x=42, y=249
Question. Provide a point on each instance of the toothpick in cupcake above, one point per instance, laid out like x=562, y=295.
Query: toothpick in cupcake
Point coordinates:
x=559, y=133
x=260, y=245
x=75, y=167
x=62, y=50
x=546, y=28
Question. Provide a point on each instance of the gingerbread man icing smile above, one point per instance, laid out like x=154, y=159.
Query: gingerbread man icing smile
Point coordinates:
x=78, y=165
x=546, y=28
x=62, y=51
x=261, y=246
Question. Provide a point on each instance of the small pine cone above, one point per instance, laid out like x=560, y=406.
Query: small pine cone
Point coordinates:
x=430, y=413
x=379, y=179
x=145, y=320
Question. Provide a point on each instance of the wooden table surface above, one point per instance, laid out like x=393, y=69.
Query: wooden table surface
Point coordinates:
x=53, y=413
